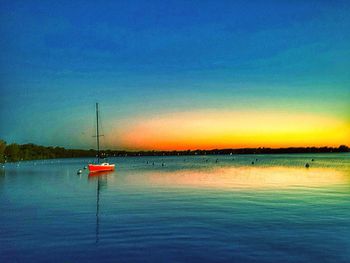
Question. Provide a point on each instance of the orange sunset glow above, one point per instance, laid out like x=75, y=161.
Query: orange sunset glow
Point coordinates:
x=225, y=129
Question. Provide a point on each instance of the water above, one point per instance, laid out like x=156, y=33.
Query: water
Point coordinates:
x=191, y=209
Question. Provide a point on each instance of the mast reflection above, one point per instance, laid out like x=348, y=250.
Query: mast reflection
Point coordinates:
x=101, y=183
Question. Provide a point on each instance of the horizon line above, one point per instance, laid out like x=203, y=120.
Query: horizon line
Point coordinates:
x=186, y=150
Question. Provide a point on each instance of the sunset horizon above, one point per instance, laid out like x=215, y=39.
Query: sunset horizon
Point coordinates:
x=247, y=75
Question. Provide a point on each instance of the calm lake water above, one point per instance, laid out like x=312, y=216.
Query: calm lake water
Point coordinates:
x=192, y=209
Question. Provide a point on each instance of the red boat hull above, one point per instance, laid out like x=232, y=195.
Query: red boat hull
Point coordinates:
x=93, y=168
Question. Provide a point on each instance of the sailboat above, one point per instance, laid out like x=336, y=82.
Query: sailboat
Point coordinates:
x=104, y=166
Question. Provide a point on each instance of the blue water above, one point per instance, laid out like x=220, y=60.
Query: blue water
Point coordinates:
x=181, y=209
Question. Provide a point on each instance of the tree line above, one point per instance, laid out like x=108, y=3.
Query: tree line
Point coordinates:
x=18, y=152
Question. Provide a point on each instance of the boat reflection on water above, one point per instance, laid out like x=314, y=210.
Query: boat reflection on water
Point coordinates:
x=96, y=175
x=101, y=183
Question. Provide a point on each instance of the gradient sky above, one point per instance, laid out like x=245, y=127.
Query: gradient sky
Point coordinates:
x=175, y=74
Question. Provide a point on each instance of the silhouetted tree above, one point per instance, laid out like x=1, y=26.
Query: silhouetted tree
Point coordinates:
x=343, y=148
x=2, y=151
x=12, y=152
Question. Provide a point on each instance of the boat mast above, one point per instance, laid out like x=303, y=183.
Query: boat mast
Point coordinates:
x=97, y=135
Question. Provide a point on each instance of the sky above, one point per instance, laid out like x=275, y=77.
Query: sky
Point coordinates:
x=175, y=74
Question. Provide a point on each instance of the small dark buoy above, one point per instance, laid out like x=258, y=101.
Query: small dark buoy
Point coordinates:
x=312, y=160
x=256, y=159
x=153, y=163
x=252, y=162
x=79, y=171
x=307, y=165
x=217, y=160
x=163, y=164
x=147, y=162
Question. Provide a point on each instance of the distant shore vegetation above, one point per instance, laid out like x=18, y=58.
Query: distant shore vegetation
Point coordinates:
x=20, y=152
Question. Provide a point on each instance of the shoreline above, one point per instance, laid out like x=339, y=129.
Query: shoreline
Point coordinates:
x=16, y=152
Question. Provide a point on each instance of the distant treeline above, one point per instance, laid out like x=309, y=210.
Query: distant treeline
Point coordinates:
x=16, y=152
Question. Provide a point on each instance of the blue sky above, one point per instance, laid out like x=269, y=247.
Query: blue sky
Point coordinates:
x=143, y=58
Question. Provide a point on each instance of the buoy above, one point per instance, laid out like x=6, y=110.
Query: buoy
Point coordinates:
x=307, y=165
x=79, y=171
x=252, y=162
x=163, y=164
x=312, y=160
x=85, y=167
